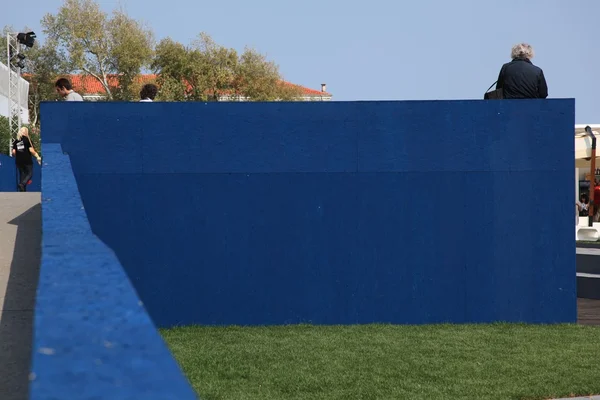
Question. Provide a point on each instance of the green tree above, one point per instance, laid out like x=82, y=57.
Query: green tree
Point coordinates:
x=260, y=80
x=42, y=66
x=172, y=60
x=213, y=68
x=4, y=122
x=200, y=72
x=171, y=89
x=4, y=135
x=207, y=71
x=5, y=30
x=100, y=45
x=132, y=49
x=43, y=63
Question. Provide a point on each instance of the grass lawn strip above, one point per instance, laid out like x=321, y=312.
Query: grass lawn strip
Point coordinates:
x=499, y=361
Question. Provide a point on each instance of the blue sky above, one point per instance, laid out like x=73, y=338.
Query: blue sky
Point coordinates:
x=385, y=49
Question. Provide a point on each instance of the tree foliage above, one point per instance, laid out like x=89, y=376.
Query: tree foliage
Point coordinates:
x=42, y=66
x=172, y=61
x=5, y=30
x=132, y=49
x=259, y=79
x=207, y=71
x=114, y=49
x=100, y=45
x=213, y=67
x=4, y=135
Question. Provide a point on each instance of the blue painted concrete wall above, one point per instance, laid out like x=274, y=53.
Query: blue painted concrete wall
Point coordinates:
x=92, y=337
x=332, y=213
x=9, y=175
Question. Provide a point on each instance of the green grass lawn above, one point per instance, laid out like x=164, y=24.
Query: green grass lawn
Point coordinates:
x=500, y=361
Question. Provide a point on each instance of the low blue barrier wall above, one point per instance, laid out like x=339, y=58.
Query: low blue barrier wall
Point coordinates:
x=9, y=175
x=92, y=336
x=332, y=213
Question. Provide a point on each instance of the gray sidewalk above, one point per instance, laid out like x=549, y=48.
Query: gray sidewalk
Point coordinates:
x=20, y=243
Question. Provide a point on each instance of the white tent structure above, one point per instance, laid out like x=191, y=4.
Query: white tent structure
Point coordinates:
x=4, y=99
x=583, y=145
x=583, y=155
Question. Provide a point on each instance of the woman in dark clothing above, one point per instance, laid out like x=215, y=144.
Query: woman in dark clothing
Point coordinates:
x=520, y=79
x=22, y=150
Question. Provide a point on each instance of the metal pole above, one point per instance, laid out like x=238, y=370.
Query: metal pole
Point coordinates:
x=592, y=176
x=8, y=82
x=14, y=86
x=19, y=110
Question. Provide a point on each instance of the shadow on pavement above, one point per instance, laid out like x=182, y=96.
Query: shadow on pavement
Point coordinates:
x=16, y=324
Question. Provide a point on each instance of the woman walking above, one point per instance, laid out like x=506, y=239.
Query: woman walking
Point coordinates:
x=22, y=151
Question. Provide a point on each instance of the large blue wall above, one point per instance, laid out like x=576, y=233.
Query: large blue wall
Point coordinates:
x=332, y=213
x=92, y=338
x=9, y=175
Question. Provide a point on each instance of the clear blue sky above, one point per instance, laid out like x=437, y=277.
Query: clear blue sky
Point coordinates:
x=386, y=49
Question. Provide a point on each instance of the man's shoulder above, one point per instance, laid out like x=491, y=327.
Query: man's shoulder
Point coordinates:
x=74, y=96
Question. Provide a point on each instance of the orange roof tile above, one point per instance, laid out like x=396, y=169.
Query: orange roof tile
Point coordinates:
x=89, y=85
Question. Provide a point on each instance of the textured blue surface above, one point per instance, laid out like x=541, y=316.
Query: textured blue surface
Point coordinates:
x=8, y=175
x=92, y=336
x=401, y=212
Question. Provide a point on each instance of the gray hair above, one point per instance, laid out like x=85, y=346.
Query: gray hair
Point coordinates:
x=522, y=50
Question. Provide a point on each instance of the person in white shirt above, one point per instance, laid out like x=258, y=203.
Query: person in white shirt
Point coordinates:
x=65, y=89
x=148, y=92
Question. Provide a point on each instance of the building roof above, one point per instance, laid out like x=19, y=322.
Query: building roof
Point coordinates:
x=309, y=92
x=86, y=84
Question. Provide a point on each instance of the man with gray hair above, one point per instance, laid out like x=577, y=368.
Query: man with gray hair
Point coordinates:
x=520, y=79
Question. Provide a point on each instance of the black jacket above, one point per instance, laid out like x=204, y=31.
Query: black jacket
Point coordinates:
x=520, y=79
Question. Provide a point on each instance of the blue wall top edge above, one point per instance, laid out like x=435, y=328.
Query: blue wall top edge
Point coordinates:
x=312, y=137
x=92, y=337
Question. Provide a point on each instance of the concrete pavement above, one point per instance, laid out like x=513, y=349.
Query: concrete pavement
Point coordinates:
x=20, y=247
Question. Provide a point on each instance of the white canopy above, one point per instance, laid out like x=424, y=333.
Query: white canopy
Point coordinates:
x=583, y=145
x=24, y=88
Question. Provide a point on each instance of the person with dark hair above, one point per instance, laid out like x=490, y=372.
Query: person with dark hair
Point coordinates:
x=65, y=89
x=22, y=150
x=148, y=92
x=583, y=205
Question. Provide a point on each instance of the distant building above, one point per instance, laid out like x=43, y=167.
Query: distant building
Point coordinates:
x=92, y=90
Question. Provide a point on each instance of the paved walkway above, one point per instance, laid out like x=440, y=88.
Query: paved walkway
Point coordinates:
x=588, y=312
x=20, y=242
